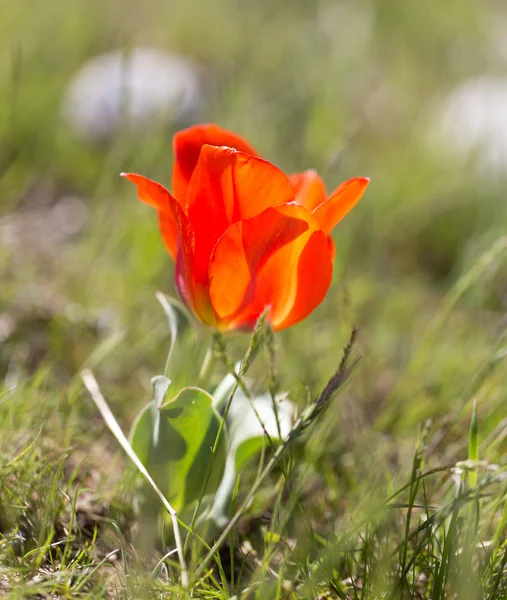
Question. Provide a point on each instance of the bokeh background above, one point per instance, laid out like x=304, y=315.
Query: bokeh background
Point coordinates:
x=411, y=94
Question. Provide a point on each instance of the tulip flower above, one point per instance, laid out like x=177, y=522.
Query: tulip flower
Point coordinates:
x=245, y=236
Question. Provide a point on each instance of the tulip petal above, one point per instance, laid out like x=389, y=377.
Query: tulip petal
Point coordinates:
x=314, y=276
x=309, y=189
x=187, y=146
x=156, y=195
x=277, y=259
x=341, y=201
x=193, y=291
x=228, y=186
x=179, y=237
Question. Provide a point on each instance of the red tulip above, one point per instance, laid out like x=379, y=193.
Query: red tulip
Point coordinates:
x=244, y=235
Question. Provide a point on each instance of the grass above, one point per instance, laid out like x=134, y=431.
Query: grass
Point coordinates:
x=398, y=488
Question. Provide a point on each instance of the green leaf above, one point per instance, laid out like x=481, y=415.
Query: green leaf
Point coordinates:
x=249, y=420
x=178, y=319
x=223, y=391
x=246, y=439
x=173, y=439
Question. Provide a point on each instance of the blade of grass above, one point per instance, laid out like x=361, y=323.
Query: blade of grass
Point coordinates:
x=473, y=446
x=442, y=571
x=473, y=457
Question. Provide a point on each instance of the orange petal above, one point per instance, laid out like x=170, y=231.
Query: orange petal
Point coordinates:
x=194, y=292
x=156, y=195
x=187, y=146
x=314, y=276
x=179, y=237
x=341, y=201
x=309, y=189
x=277, y=259
x=228, y=186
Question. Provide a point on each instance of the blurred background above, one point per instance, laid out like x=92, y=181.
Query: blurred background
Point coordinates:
x=413, y=95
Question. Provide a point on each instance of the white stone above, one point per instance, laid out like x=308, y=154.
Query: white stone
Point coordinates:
x=473, y=120
x=139, y=88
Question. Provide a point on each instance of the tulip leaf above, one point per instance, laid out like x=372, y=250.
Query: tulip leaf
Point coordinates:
x=173, y=439
x=250, y=419
x=172, y=319
x=247, y=436
x=223, y=390
x=178, y=317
